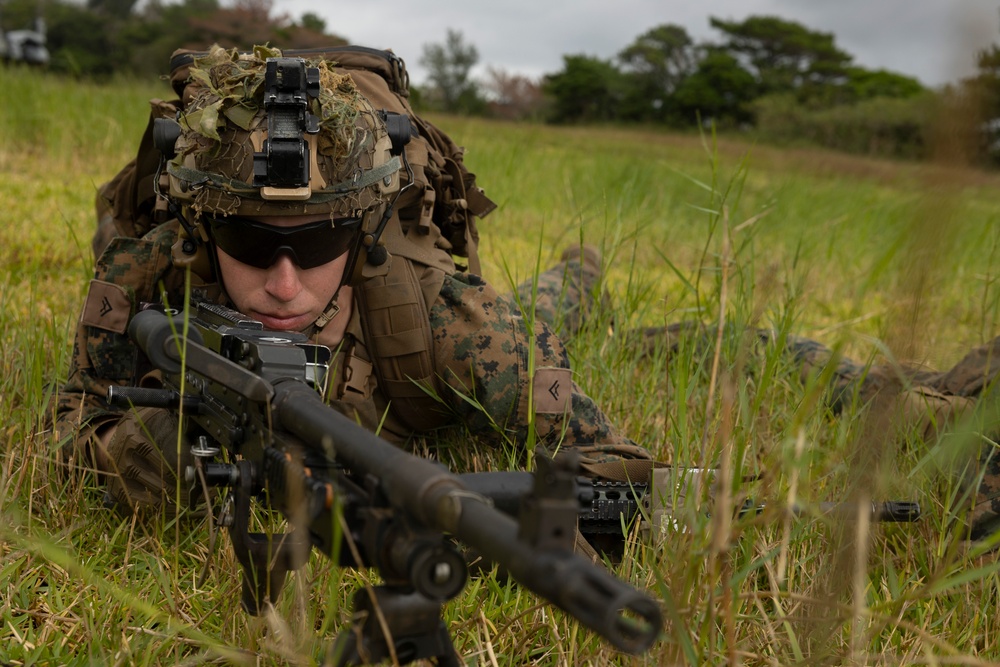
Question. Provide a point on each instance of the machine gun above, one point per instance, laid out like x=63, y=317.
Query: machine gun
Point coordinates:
x=258, y=426
x=606, y=507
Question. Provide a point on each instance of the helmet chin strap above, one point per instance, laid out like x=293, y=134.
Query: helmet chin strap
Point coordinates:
x=333, y=309
x=331, y=312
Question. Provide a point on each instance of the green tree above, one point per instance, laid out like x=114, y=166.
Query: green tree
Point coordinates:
x=655, y=65
x=79, y=41
x=117, y=9
x=785, y=56
x=18, y=14
x=985, y=85
x=587, y=89
x=102, y=37
x=116, y=17
x=719, y=90
x=981, y=96
x=448, y=69
x=162, y=27
x=866, y=84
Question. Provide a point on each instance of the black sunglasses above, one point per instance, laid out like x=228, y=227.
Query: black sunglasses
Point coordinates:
x=257, y=244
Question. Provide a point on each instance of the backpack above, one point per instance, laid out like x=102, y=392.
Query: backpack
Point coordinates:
x=444, y=194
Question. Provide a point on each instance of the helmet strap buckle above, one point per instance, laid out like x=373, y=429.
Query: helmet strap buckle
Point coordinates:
x=330, y=313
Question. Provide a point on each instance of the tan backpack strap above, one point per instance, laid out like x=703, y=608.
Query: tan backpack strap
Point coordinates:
x=634, y=470
x=396, y=324
x=622, y=470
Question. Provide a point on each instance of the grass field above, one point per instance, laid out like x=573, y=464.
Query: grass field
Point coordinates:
x=875, y=259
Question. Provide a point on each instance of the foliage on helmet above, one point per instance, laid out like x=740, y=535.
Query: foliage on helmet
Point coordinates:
x=224, y=123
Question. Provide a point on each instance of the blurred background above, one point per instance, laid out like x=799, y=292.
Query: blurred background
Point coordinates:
x=866, y=78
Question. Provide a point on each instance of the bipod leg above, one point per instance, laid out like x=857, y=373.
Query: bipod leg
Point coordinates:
x=412, y=623
x=266, y=559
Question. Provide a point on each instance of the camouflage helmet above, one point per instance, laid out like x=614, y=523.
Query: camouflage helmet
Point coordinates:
x=266, y=135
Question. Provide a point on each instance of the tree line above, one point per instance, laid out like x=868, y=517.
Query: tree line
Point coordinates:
x=776, y=78
x=781, y=80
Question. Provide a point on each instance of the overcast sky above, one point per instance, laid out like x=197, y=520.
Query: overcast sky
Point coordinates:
x=932, y=40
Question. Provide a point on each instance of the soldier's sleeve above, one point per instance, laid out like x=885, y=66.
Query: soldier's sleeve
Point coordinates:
x=569, y=292
x=498, y=375
x=129, y=271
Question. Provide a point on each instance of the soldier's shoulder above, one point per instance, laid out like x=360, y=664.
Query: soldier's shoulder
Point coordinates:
x=459, y=281
x=470, y=293
x=144, y=256
x=130, y=250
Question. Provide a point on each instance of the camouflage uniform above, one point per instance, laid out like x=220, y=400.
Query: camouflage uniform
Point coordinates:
x=955, y=389
x=481, y=350
x=569, y=291
x=927, y=402
x=920, y=401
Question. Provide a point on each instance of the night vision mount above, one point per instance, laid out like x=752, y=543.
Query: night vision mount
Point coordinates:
x=281, y=168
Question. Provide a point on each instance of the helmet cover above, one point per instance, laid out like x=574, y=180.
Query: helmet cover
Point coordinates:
x=224, y=130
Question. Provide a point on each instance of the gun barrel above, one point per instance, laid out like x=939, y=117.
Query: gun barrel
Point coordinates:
x=892, y=511
x=626, y=617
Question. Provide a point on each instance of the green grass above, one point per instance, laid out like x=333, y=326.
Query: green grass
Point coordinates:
x=846, y=250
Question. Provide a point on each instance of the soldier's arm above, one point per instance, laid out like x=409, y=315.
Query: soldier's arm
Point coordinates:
x=482, y=347
x=129, y=272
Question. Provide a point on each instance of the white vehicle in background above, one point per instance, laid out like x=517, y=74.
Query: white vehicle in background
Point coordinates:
x=24, y=46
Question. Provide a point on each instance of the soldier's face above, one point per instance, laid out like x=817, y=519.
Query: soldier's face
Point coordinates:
x=283, y=296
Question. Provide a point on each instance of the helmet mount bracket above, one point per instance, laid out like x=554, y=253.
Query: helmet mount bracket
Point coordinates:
x=281, y=168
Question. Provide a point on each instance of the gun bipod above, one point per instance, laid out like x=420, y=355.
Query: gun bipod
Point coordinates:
x=412, y=622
